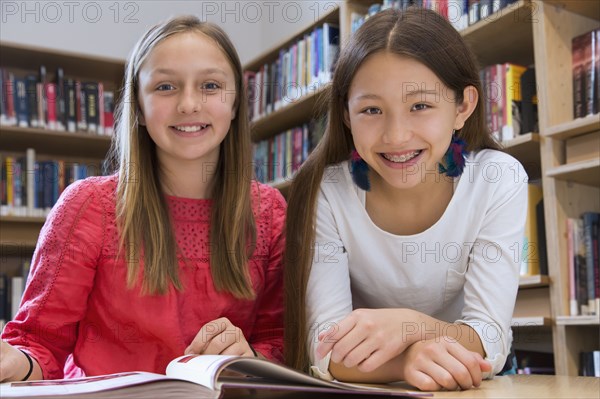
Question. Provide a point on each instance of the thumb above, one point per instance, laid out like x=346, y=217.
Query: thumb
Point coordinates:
x=485, y=365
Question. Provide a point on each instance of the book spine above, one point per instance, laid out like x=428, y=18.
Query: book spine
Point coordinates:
x=573, y=308
x=30, y=159
x=61, y=121
x=51, y=103
x=21, y=104
x=70, y=106
x=32, y=107
x=589, y=218
x=578, y=76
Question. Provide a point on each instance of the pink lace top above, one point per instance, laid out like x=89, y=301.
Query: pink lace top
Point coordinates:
x=78, y=317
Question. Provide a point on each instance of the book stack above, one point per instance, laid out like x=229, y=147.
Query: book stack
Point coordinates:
x=31, y=187
x=11, y=292
x=460, y=13
x=31, y=100
x=510, y=100
x=279, y=157
x=301, y=69
x=584, y=265
x=586, y=70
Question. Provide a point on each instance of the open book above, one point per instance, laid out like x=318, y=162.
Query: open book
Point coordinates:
x=193, y=376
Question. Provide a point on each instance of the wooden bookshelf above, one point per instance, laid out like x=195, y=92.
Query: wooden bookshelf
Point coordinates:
x=534, y=281
x=576, y=127
x=569, y=189
x=528, y=322
x=54, y=142
x=19, y=234
x=578, y=320
x=296, y=112
x=526, y=148
x=514, y=25
x=583, y=172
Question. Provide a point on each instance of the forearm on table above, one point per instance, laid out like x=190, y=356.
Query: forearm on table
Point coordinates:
x=427, y=327
x=21, y=368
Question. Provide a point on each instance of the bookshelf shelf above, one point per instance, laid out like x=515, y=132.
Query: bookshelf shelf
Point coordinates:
x=514, y=25
x=81, y=66
x=534, y=281
x=533, y=321
x=332, y=15
x=575, y=127
x=593, y=320
x=584, y=172
x=23, y=219
x=587, y=8
x=54, y=142
x=296, y=112
x=526, y=148
x=81, y=151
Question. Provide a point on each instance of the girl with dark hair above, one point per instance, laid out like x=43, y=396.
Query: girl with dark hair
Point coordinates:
x=414, y=216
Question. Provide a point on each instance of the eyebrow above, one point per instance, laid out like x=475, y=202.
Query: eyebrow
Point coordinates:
x=421, y=92
x=207, y=71
x=408, y=93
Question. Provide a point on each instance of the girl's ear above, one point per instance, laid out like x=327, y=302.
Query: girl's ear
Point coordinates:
x=466, y=108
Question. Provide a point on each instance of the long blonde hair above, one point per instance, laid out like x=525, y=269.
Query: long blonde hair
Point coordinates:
x=417, y=33
x=146, y=231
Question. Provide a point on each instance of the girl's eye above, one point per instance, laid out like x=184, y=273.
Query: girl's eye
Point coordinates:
x=165, y=87
x=420, y=107
x=211, y=86
x=372, y=111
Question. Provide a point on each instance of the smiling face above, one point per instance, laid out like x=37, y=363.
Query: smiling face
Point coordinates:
x=401, y=117
x=186, y=97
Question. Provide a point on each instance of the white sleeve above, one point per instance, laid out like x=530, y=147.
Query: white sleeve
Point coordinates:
x=328, y=295
x=492, y=277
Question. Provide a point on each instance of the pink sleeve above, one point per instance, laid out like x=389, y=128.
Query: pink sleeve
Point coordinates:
x=60, y=280
x=267, y=337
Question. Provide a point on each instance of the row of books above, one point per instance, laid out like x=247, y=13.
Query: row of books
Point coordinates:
x=300, y=69
x=460, y=13
x=64, y=104
x=30, y=187
x=278, y=158
x=589, y=364
x=586, y=74
x=583, y=248
x=510, y=100
x=534, y=260
x=11, y=291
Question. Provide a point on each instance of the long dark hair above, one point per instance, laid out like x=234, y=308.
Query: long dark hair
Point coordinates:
x=420, y=34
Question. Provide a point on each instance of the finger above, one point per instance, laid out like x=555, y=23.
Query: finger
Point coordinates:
x=468, y=374
x=459, y=372
x=422, y=381
x=329, y=337
x=440, y=375
x=206, y=334
x=377, y=359
x=227, y=338
x=348, y=343
x=237, y=349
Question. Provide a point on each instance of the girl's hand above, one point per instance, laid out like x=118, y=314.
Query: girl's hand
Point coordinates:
x=220, y=337
x=442, y=363
x=367, y=338
x=13, y=363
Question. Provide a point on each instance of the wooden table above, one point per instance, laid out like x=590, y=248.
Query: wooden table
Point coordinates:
x=506, y=387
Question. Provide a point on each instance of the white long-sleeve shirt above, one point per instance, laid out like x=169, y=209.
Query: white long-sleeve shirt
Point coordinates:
x=462, y=269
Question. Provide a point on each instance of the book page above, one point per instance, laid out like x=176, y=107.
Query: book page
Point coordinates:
x=77, y=385
x=206, y=370
x=201, y=369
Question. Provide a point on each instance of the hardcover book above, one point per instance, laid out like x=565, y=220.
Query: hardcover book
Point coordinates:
x=196, y=376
